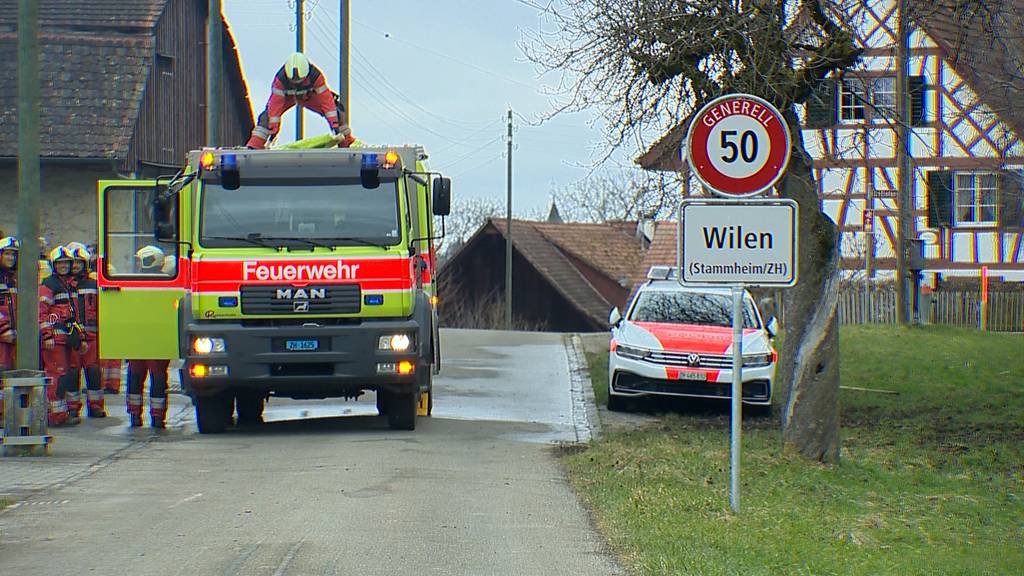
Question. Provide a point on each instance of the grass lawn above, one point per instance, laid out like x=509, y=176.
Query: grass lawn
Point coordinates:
x=931, y=480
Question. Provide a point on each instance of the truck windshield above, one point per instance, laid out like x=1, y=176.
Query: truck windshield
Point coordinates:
x=695, y=308
x=283, y=213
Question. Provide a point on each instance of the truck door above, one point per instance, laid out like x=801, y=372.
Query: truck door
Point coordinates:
x=141, y=280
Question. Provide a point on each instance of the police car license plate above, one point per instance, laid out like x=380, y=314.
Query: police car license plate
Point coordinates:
x=302, y=345
x=687, y=375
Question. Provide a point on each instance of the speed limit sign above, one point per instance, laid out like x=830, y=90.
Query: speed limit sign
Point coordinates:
x=738, y=145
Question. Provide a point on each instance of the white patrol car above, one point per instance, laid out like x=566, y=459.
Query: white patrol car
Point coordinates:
x=677, y=341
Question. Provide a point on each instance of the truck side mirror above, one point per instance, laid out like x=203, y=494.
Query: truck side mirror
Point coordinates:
x=442, y=200
x=165, y=216
x=615, y=317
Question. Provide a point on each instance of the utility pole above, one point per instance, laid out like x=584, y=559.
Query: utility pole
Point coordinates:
x=905, y=228
x=300, y=42
x=28, y=184
x=345, y=40
x=214, y=72
x=508, y=232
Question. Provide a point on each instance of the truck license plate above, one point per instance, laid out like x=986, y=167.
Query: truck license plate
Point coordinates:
x=302, y=345
x=686, y=375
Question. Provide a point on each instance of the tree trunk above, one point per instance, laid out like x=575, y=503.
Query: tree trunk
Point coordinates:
x=808, y=370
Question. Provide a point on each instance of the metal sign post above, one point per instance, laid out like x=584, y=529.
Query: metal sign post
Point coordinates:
x=737, y=146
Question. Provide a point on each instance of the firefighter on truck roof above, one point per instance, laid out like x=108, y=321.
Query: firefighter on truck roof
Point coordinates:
x=300, y=83
x=149, y=260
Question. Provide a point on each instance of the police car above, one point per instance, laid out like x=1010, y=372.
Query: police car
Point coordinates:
x=677, y=341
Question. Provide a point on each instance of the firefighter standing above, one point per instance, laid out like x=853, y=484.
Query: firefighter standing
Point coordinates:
x=60, y=334
x=9, y=249
x=149, y=260
x=299, y=83
x=87, y=309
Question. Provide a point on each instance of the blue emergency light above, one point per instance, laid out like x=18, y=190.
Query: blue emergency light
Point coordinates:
x=369, y=172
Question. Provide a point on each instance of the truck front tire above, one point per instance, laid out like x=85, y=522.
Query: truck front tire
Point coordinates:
x=211, y=413
x=401, y=409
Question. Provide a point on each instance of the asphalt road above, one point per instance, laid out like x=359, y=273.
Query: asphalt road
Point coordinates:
x=326, y=488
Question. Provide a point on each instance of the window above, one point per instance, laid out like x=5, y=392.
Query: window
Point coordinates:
x=327, y=212
x=867, y=98
x=695, y=308
x=129, y=248
x=975, y=198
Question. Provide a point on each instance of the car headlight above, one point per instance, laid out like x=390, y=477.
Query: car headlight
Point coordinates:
x=395, y=342
x=631, y=352
x=206, y=345
x=755, y=360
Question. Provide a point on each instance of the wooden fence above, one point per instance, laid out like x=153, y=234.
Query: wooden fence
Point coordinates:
x=952, y=308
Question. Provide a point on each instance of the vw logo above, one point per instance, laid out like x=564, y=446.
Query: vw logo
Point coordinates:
x=693, y=359
x=301, y=306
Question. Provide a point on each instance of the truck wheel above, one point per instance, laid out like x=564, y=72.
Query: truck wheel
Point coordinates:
x=402, y=409
x=382, y=402
x=211, y=414
x=250, y=408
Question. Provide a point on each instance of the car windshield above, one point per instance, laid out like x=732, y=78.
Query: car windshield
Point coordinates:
x=273, y=212
x=678, y=307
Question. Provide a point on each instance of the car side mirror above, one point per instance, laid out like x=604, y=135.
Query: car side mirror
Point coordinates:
x=772, y=327
x=165, y=216
x=615, y=317
x=442, y=200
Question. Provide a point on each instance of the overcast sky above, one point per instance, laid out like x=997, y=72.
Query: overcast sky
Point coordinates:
x=440, y=73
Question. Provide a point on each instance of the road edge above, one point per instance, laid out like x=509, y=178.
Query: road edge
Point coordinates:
x=584, y=408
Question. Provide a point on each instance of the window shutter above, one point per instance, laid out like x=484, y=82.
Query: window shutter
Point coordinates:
x=940, y=199
x=821, y=106
x=1011, y=199
x=917, y=102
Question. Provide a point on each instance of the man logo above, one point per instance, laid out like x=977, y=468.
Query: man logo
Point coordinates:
x=693, y=359
x=302, y=306
x=300, y=294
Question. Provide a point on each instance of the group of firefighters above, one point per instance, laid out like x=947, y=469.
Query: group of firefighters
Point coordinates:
x=69, y=297
x=69, y=336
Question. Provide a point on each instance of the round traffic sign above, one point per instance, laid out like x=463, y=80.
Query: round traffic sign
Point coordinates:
x=738, y=145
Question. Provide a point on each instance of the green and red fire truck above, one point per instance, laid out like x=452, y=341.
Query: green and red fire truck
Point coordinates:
x=302, y=273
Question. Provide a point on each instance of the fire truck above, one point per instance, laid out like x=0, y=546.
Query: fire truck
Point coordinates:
x=304, y=273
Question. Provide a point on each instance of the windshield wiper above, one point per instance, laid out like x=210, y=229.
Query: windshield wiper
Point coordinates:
x=312, y=243
x=363, y=241
x=255, y=239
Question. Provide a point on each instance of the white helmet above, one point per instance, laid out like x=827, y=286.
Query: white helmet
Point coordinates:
x=150, y=257
x=296, y=68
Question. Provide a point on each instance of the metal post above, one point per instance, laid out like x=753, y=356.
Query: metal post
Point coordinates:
x=300, y=42
x=28, y=184
x=737, y=398
x=508, y=232
x=905, y=228
x=345, y=40
x=214, y=72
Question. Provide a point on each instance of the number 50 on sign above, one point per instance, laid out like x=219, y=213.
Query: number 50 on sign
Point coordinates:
x=738, y=145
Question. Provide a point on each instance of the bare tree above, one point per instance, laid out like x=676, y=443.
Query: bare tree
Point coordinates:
x=618, y=195
x=468, y=215
x=649, y=64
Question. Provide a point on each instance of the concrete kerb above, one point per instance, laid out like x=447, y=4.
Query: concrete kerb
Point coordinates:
x=584, y=406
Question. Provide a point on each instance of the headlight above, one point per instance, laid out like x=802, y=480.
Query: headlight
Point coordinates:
x=396, y=342
x=755, y=360
x=631, y=352
x=206, y=345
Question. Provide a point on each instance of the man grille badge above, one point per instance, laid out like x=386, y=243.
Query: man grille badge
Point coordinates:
x=693, y=359
x=301, y=306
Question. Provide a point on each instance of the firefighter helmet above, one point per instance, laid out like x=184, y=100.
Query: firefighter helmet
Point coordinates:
x=150, y=257
x=10, y=243
x=78, y=251
x=296, y=68
x=58, y=254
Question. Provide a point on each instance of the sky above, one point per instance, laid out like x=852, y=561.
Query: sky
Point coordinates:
x=442, y=74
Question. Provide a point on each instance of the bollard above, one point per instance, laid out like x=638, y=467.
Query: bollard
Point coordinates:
x=25, y=410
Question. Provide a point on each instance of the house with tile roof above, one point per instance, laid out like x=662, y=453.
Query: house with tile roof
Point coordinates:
x=967, y=125
x=123, y=95
x=567, y=276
